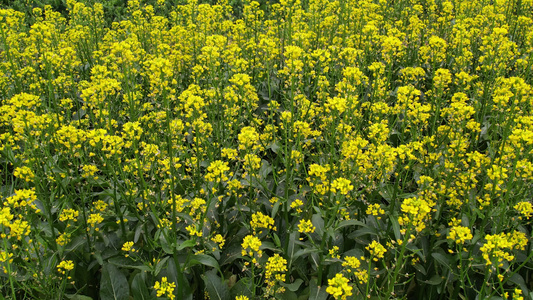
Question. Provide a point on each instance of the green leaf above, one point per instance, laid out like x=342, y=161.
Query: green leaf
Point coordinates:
x=518, y=280
x=274, y=146
x=395, y=227
x=160, y=265
x=138, y=232
x=277, y=242
x=79, y=297
x=305, y=251
x=275, y=209
x=206, y=260
x=420, y=268
x=346, y=223
x=316, y=292
x=186, y=244
x=230, y=253
x=113, y=284
x=293, y=286
x=442, y=259
x=76, y=243
x=124, y=262
x=318, y=222
x=215, y=287
x=243, y=287
x=291, y=249
x=434, y=280
x=289, y=295
x=363, y=232
x=139, y=289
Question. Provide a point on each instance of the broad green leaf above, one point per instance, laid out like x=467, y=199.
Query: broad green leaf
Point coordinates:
x=231, y=253
x=216, y=288
x=293, y=286
x=442, y=259
x=318, y=222
x=78, y=297
x=346, y=223
x=291, y=249
x=139, y=289
x=124, y=262
x=174, y=273
x=518, y=280
x=362, y=232
x=186, y=244
x=138, y=232
x=206, y=260
x=317, y=292
x=434, y=280
x=269, y=246
x=277, y=242
x=113, y=284
x=289, y=295
x=275, y=209
x=420, y=268
x=304, y=252
x=160, y=265
x=243, y=287
x=395, y=227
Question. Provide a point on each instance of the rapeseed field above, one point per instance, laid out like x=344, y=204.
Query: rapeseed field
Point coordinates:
x=316, y=149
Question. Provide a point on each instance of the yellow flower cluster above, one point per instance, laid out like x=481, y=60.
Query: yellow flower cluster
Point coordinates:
x=377, y=250
x=216, y=171
x=460, y=234
x=250, y=246
x=338, y=287
x=165, y=288
x=306, y=226
x=525, y=209
x=260, y=220
x=416, y=213
x=496, y=248
x=275, y=273
x=65, y=266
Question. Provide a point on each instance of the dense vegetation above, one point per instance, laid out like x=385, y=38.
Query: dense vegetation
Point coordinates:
x=347, y=149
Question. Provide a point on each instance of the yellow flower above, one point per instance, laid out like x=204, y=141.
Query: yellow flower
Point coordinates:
x=374, y=210
x=498, y=246
x=296, y=204
x=100, y=205
x=517, y=295
x=68, y=214
x=275, y=273
x=252, y=162
x=5, y=216
x=525, y=209
x=165, y=287
x=127, y=246
x=95, y=219
x=259, y=220
x=19, y=229
x=89, y=171
x=24, y=173
x=306, y=226
x=376, y=250
x=460, y=234
x=338, y=287
x=216, y=171
x=250, y=245
x=219, y=239
x=248, y=138
x=341, y=185
x=64, y=266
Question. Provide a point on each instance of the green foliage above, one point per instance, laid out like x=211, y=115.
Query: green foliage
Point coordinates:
x=291, y=150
